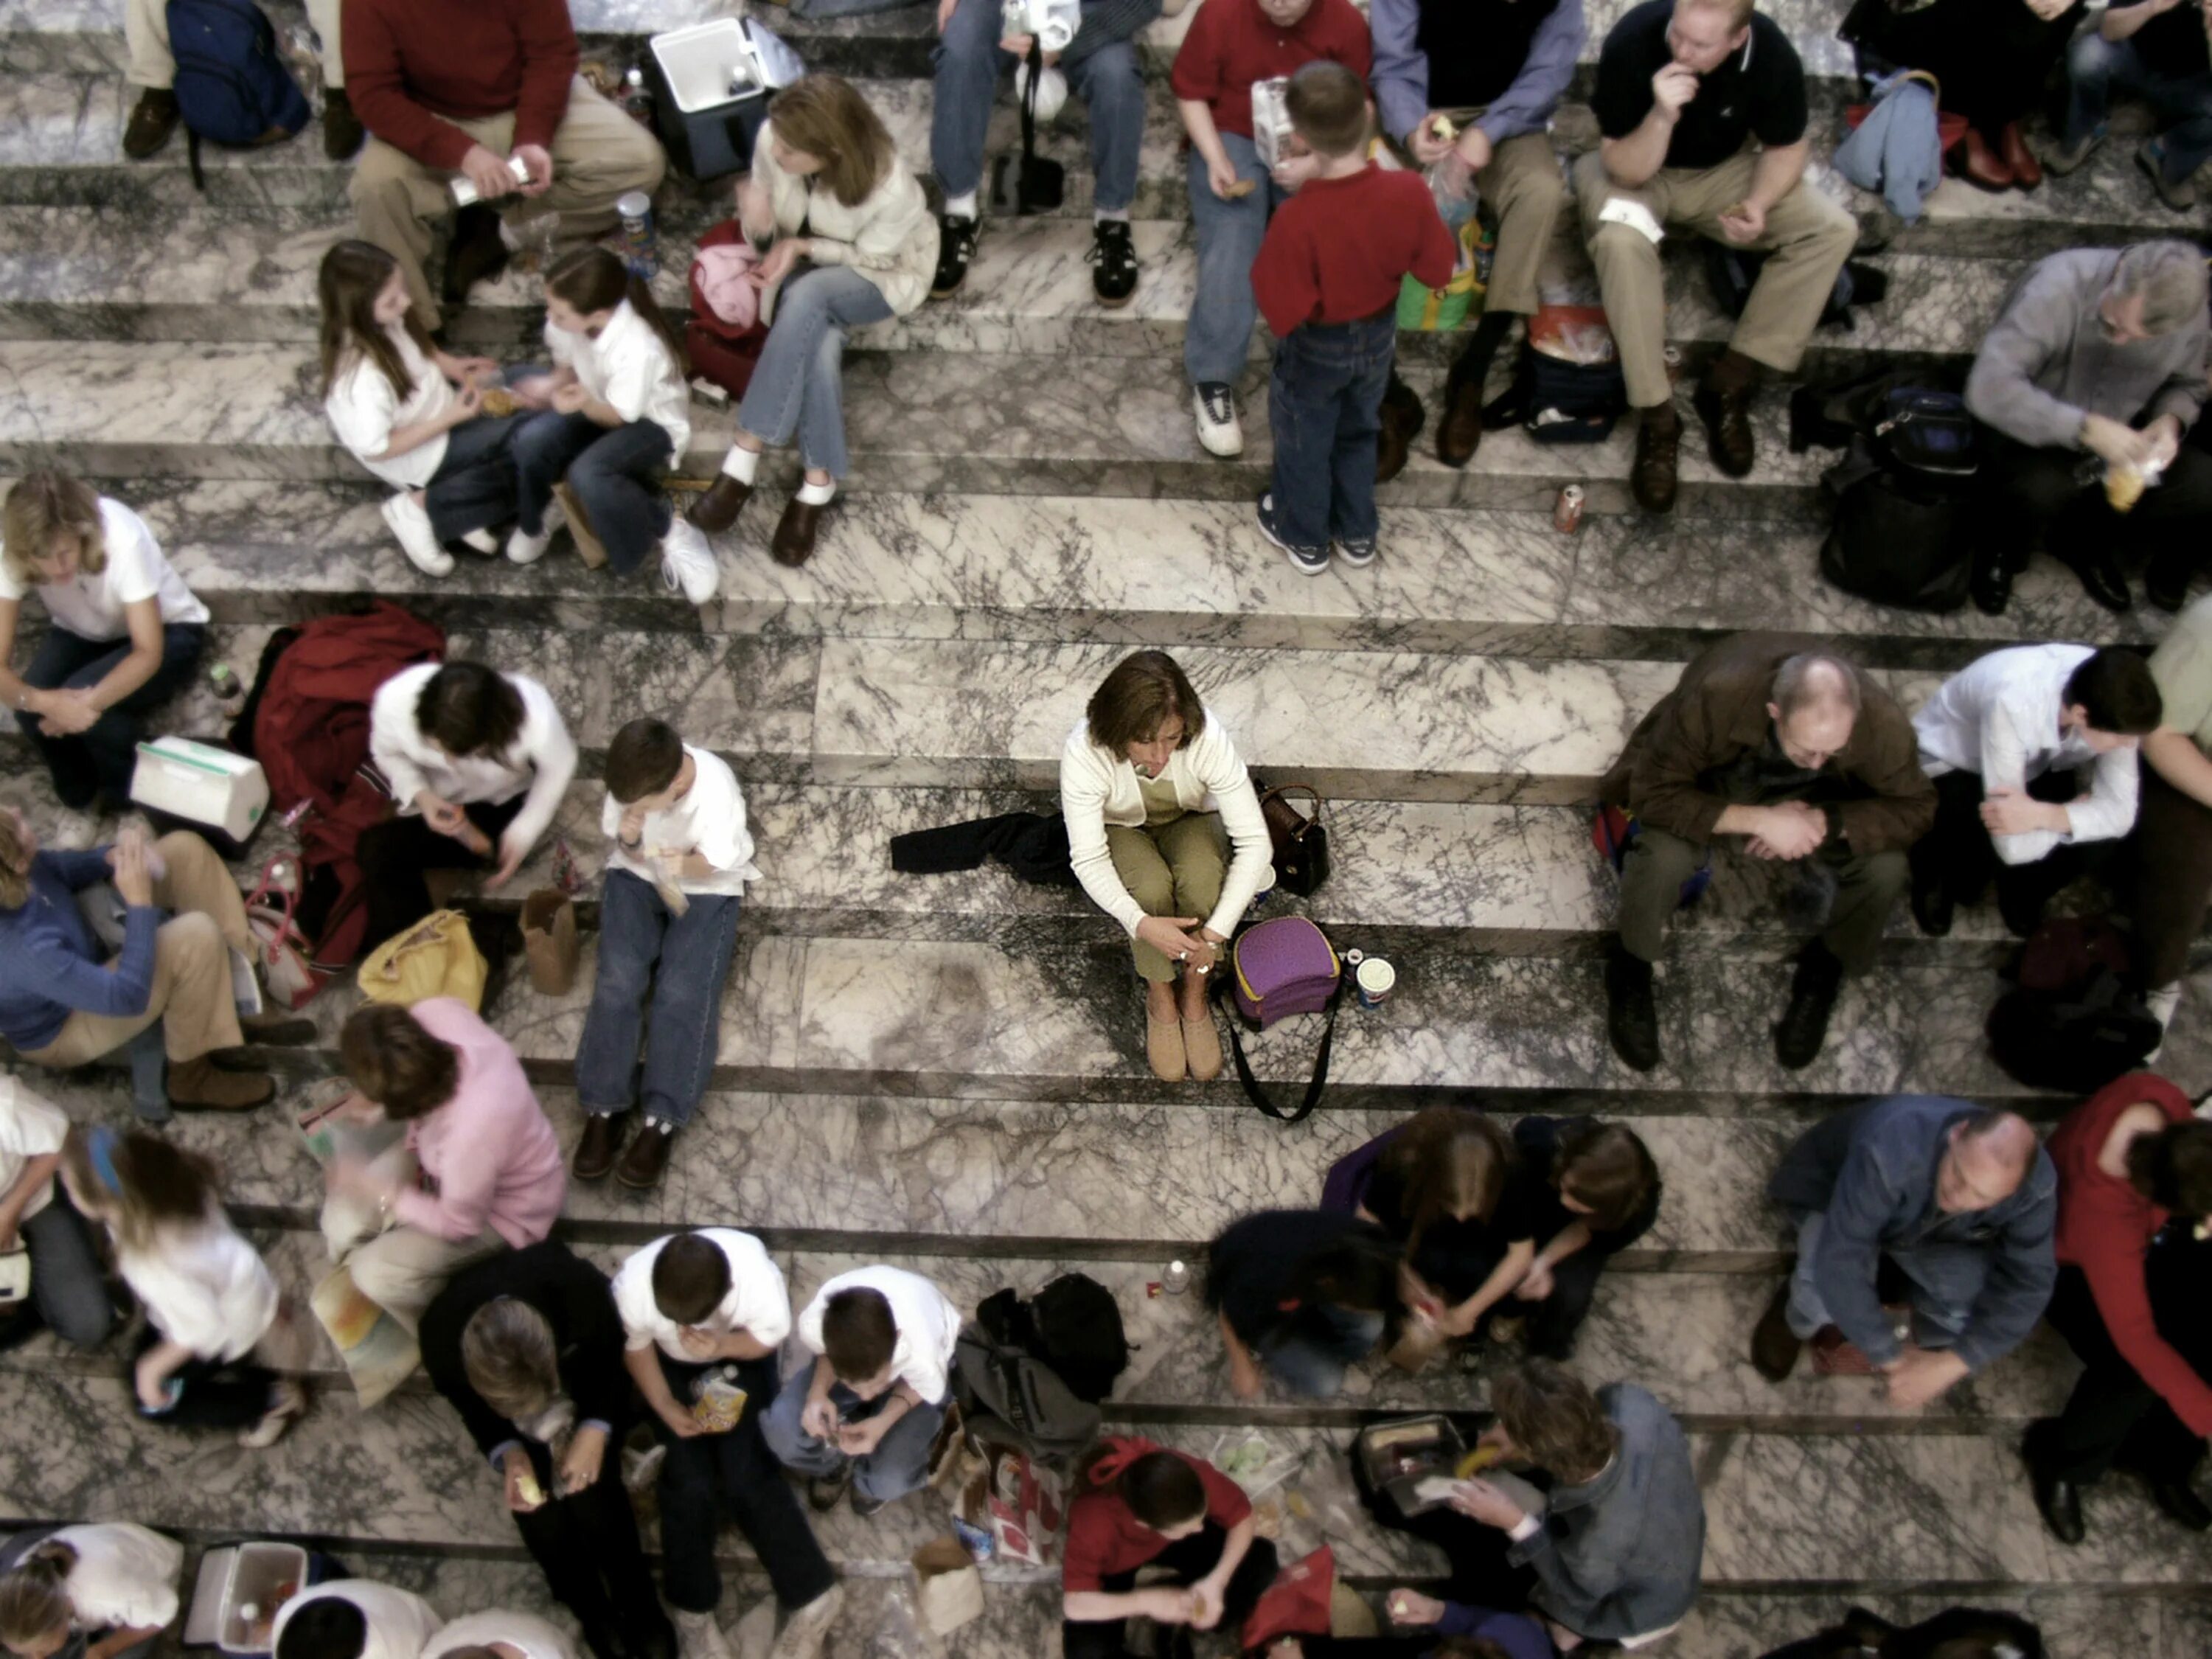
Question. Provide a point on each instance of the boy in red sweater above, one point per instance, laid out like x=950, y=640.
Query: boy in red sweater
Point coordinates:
x=1328, y=279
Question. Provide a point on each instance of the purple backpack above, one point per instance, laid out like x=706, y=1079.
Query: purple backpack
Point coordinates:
x=1285, y=965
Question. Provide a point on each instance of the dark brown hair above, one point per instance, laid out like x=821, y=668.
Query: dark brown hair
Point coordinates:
x=1135, y=700
x=1449, y=1159
x=1607, y=1167
x=157, y=1182
x=1554, y=1419
x=353, y=274
x=1161, y=1490
x=34, y=1599
x=2174, y=1167
x=690, y=1277
x=593, y=278
x=858, y=1335
x=825, y=117
x=398, y=1064
x=466, y=709
x=2115, y=689
x=1328, y=106
x=42, y=505
x=328, y=1627
x=643, y=760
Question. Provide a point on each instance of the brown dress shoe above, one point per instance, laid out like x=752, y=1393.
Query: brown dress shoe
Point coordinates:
x=1774, y=1345
x=1403, y=418
x=197, y=1085
x=1727, y=415
x=476, y=254
x=793, y=541
x=1984, y=169
x=342, y=132
x=718, y=509
x=1651, y=478
x=646, y=1160
x=2027, y=171
x=1460, y=433
x=603, y=1138
x=152, y=122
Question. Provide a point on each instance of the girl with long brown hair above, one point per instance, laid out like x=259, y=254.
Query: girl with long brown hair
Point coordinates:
x=824, y=165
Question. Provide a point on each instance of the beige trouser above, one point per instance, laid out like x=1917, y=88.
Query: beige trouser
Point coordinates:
x=1172, y=869
x=146, y=34
x=1807, y=239
x=191, y=966
x=402, y=1269
x=598, y=155
x=1524, y=187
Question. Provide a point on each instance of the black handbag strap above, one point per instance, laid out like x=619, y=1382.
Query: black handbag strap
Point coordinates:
x=1254, y=1092
x=1036, y=62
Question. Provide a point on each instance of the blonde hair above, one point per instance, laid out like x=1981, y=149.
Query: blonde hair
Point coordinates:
x=35, y=1595
x=508, y=1351
x=825, y=117
x=157, y=1184
x=43, y=505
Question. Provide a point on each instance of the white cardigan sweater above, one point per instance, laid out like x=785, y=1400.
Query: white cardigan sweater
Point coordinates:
x=1098, y=788
x=890, y=238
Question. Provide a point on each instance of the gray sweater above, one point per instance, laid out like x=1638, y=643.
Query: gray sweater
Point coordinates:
x=2046, y=363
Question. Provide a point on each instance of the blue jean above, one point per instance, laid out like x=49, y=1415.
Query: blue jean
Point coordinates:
x=614, y=472
x=101, y=759
x=896, y=1466
x=1325, y=405
x=1219, y=337
x=66, y=1286
x=692, y=953
x=1110, y=81
x=2098, y=71
x=473, y=487
x=799, y=385
x=1312, y=1366
x=1947, y=1282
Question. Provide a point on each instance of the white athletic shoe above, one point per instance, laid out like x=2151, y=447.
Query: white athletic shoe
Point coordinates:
x=528, y=550
x=411, y=523
x=699, y=1636
x=1214, y=407
x=805, y=1631
x=483, y=540
x=686, y=562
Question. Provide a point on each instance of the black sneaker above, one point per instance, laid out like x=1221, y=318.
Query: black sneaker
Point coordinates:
x=1632, y=1011
x=1115, y=257
x=1804, y=1024
x=956, y=247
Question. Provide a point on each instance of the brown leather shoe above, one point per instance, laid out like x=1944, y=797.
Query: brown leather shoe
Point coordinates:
x=718, y=509
x=152, y=122
x=602, y=1139
x=342, y=132
x=1460, y=433
x=1402, y=419
x=1727, y=415
x=476, y=254
x=1651, y=478
x=197, y=1085
x=646, y=1160
x=1984, y=169
x=2027, y=171
x=793, y=541
x=1774, y=1345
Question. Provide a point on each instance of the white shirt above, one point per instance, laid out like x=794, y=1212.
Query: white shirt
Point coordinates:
x=1999, y=716
x=92, y=607
x=400, y=1622
x=535, y=1636
x=366, y=410
x=710, y=820
x=203, y=1286
x=125, y=1577
x=928, y=1326
x=30, y=1127
x=757, y=1302
x=629, y=368
x=541, y=761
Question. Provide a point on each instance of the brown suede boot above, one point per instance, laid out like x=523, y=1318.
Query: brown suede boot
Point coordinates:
x=195, y=1086
x=1651, y=477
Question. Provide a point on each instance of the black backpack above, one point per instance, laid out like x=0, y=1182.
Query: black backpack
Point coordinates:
x=1560, y=402
x=1903, y=532
x=1073, y=1325
x=1013, y=1397
x=2071, y=1023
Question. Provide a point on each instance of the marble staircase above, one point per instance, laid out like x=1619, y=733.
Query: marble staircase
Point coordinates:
x=947, y=1072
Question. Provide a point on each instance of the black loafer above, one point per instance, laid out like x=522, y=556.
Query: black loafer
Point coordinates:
x=2058, y=1501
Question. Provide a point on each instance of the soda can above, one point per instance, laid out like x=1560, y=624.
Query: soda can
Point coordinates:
x=1672, y=356
x=641, y=244
x=1374, y=981
x=1567, y=515
x=1353, y=957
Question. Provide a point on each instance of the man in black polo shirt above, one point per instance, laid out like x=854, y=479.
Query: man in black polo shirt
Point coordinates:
x=1683, y=87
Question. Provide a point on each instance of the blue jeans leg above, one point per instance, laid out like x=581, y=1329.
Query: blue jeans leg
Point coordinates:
x=2183, y=105
x=1312, y=1368
x=798, y=386
x=1217, y=340
x=1111, y=83
x=968, y=66
x=1358, y=426
x=65, y=1281
x=617, y=481
x=632, y=923
x=687, y=1007
x=1302, y=393
x=1807, y=1313
x=899, y=1462
x=474, y=486
x=1947, y=1282
x=542, y=447
x=2092, y=63
x=793, y=1446
x=101, y=759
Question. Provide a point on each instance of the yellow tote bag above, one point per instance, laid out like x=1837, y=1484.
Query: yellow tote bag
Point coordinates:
x=435, y=957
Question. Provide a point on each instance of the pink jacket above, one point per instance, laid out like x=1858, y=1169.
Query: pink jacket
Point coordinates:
x=489, y=1155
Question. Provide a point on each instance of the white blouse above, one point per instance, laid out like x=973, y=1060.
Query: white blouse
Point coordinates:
x=366, y=410
x=203, y=1286
x=125, y=1577
x=628, y=367
x=541, y=761
x=96, y=607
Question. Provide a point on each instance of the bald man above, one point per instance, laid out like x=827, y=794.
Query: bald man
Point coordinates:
x=1775, y=741
x=1959, y=1199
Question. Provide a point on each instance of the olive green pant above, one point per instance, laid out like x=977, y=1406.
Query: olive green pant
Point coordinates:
x=1172, y=869
x=1658, y=863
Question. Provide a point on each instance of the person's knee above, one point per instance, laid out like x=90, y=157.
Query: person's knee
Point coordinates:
x=193, y=941
x=971, y=38
x=623, y=978
x=1198, y=887
x=1153, y=888
x=1833, y=234
x=2091, y=59
x=1617, y=250
x=880, y=1478
x=83, y=1316
x=376, y=1274
x=1114, y=85
x=1537, y=193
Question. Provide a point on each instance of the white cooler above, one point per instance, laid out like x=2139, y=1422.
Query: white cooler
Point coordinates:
x=222, y=795
x=262, y=1576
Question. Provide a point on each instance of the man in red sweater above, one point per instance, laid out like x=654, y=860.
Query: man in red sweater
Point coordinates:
x=447, y=89
x=1328, y=279
x=2129, y=1158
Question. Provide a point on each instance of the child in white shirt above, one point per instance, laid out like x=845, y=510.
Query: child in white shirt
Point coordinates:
x=116, y=1584
x=354, y=1619
x=66, y=1287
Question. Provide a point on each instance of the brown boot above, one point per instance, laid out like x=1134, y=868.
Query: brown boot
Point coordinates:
x=152, y=122
x=1460, y=433
x=195, y=1086
x=1403, y=418
x=477, y=252
x=1658, y=444
x=2027, y=171
x=1984, y=169
x=646, y=1160
x=1774, y=1345
x=1723, y=404
x=792, y=543
x=602, y=1139
x=343, y=133
x=718, y=509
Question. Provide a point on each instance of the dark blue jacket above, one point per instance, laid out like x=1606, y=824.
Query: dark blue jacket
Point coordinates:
x=51, y=965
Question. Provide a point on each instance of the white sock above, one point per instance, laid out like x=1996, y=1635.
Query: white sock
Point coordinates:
x=815, y=495
x=741, y=463
x=1109, y=216
x=961, y=207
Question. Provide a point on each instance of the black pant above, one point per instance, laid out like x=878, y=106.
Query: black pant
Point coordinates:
x=2113, y=1415
x=394, y=854
x=2026, y=495
x=101, y=759
x=2169, y=871
x=1552, y=1322
x=1189, y=1560
x=213, y=1395
x=735, y=1473
x=587, y=1547
x=1481, y=1575
x=1958, y=856
x=1992, y=56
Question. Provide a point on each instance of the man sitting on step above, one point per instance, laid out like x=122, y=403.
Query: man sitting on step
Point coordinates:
x=1683, y=88
x=2087, y=382
x=1959, y=1200
x=1775, y=738
x=445, y=90
x=153, y=70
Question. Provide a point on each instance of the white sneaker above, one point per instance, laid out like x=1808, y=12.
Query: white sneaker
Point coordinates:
x=688, y=562
x=411, y=523
x=805, y=1631
x=245, y=983
x=1220, y=432
x=699, y=1636
x=483, y=540
x=528, y=550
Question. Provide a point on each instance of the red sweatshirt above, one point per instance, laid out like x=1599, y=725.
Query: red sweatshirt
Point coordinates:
x=413, y=67
x=2104, y=1229
x=1340, y=249
x=1232, y=45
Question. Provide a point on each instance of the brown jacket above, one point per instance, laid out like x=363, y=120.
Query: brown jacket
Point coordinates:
x=1716, y=713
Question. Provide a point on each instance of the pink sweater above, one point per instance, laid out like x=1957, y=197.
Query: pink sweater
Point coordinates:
x=488, y=1155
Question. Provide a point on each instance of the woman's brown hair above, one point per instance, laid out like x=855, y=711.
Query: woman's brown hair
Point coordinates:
x=156, y=1183
x=35, y=1600
x=1135, y=700
x=1448, y=1161
x=466, y=709
x=352, y=275
x=2173, y=1167
x=825, y=117
x=396, y=1063
x=1608, y=1167
x=1554, y=1419
x=15, y=868
x=594, y=278
x=44, y=504
x=510, y=1354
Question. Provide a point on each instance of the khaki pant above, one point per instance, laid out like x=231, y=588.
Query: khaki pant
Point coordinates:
x=146, y=34
x=599, y=154
x=1807, y=239
x=191, y=966
x=1524, y=187
x=402, y=1269
x=1172, y=869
